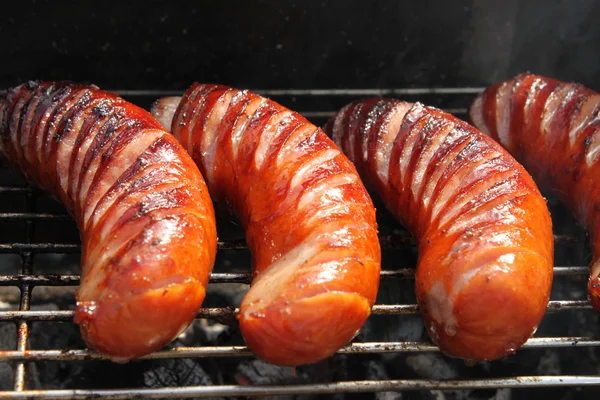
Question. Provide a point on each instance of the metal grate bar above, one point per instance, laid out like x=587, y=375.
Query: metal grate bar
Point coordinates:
x=15, y=189
x=32, y=216
x=76, y=247
x=321, y=92
x=322, y=388
x=232, y=277
x=329, y=114
x=230, y=312
x=243, y=351
x=22, y=332
x=40, y=247
x=388, y=242
x=25, y=303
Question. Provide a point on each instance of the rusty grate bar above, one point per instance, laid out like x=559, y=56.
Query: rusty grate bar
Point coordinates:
x=230, y=312
x=243, y=351
x=40, y=247
x=323, y=92
x=388, y=242
x=329, y=114
x=395, y=241
x=33, y=216
x=14, y=190
x=24, y=306
x=520, y=382
x=232, y=277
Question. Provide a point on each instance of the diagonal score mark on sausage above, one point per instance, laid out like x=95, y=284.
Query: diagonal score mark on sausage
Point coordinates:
x=310, y=223
x=146, y=220
x=484, y=232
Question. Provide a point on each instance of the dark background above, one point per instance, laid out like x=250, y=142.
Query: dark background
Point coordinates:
x=286, y=44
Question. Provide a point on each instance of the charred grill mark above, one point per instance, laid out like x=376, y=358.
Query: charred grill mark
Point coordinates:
x=89, y=130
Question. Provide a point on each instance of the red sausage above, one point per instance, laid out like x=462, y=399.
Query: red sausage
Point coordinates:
x=146, y=219
x=310, y=223
x=552, y=127
x=483, y=229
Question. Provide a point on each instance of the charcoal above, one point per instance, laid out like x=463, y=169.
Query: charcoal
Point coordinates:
x=57, y=263
x=258, y=372
x=175, y=372
x=33, y=377
x=208, y=332
x=141, y=373
x=549, y=364
x=9, y=264
x=343, y=367
x=393, y=328
x=211, y=330
x=9, y=298
x=96, y=374
x=490, y=394
x=376, y=371
x=8, y=341
x=445, y=395
x=53, y=335
x=61, y=296
x=6, y=375
x=436, y=366
x=200, y=332
x=432, y=366
x=436, y=395
x=583, y=323
x=45, y=335
x=502, y=394
x=224, y=331
x=8, y=336
x=225, y=295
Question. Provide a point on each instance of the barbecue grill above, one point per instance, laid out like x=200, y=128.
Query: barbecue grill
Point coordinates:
x=40, y=350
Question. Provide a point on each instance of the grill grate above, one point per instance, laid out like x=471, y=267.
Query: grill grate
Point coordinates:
x=24, y=246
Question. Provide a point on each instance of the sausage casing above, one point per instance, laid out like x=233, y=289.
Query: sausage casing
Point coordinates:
x=145, y=216
x=552, y=127
x=310, y=223
x=483, y=229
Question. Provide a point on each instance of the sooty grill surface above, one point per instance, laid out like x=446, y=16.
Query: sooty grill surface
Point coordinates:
x=42, y=354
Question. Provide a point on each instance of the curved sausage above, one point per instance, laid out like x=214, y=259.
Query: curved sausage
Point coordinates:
x=146, y=220
x=483, y=230
x=552, y=127
x=310, y=223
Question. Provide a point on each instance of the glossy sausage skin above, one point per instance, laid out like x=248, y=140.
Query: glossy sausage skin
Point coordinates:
x=310, y=223
x=483, y=229
x=145, y=216
x=553, y=128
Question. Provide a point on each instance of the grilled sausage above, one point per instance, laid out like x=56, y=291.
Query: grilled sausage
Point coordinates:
x=309, y=222
x=483, y=229
x=552, y=127
x=145, y=216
